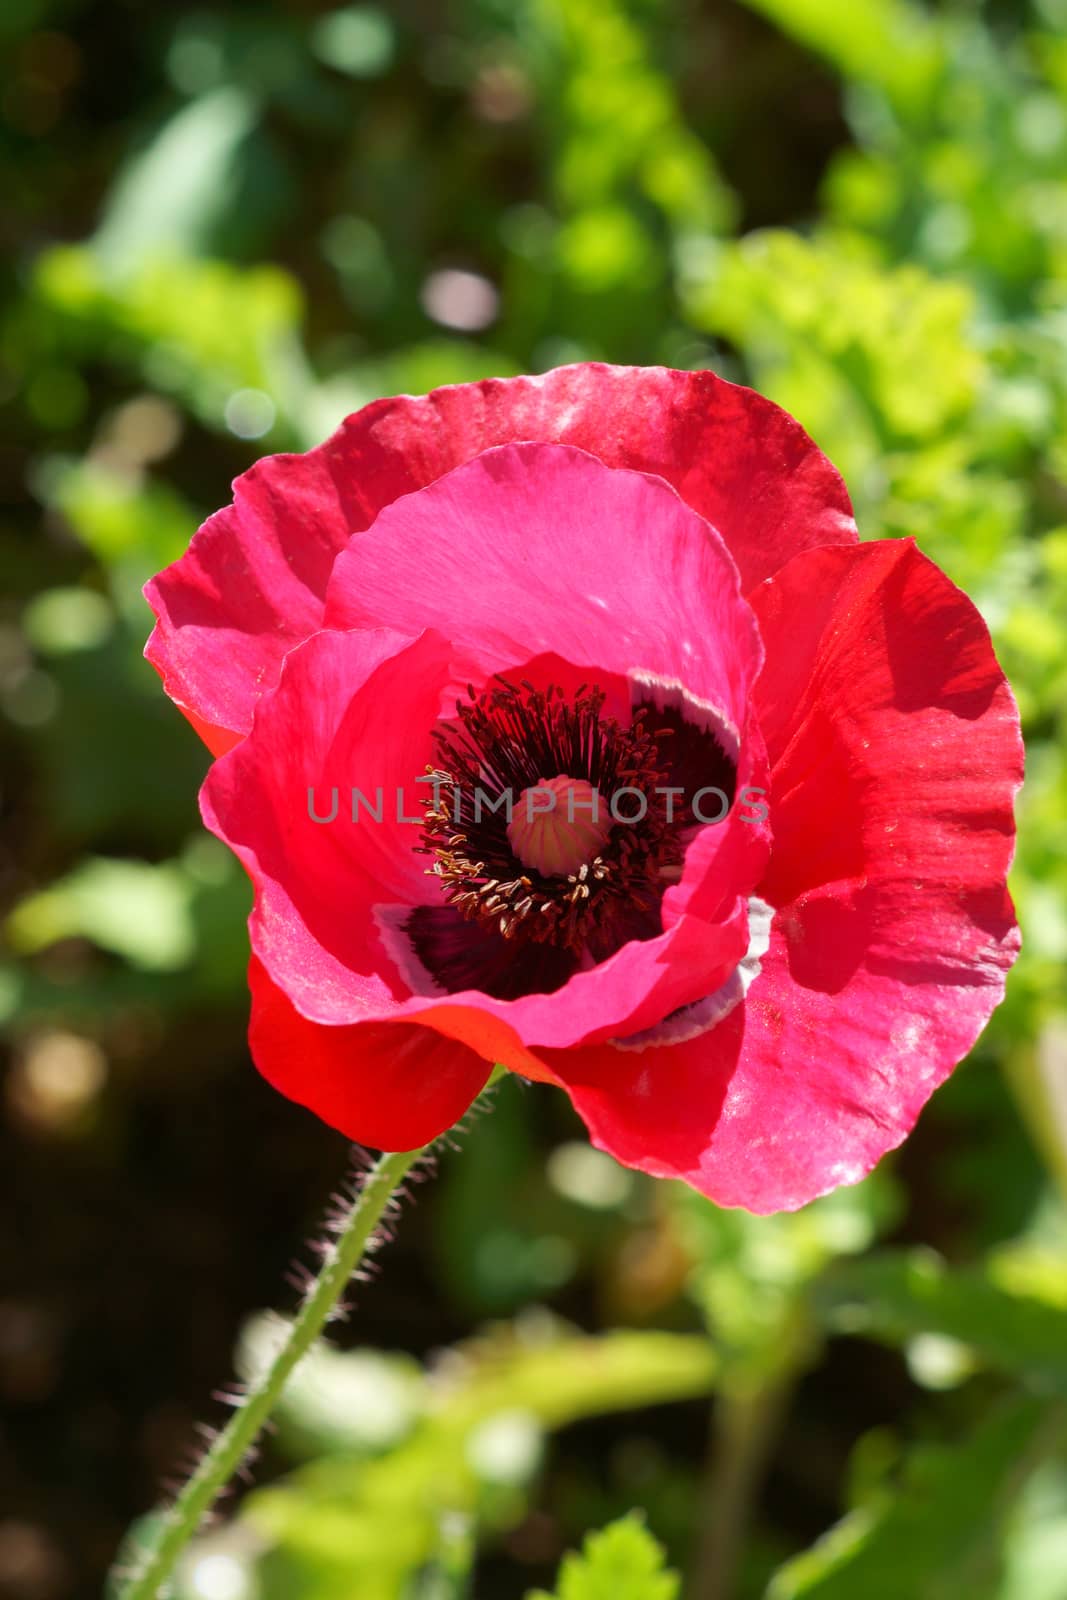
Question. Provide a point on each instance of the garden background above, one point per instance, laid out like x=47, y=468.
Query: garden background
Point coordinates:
x=228, y=227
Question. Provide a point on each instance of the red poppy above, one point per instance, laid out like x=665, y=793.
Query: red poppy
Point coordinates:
x=563, y=722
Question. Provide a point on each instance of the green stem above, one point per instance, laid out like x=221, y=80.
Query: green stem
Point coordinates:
x=450, y=1576
x=352, y=1242
x=746, y=1426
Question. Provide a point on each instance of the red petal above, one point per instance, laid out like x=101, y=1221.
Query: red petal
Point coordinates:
x=393, y=1085
x=892, y=736
x=895, y=752
x=253, y=581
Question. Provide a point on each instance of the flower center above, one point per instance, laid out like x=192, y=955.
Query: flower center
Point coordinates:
x=526, y=855
x=558, y=826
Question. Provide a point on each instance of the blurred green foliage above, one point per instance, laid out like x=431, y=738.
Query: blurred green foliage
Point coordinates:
x=471, y=1449
x=940, y=1531
x=239, y=223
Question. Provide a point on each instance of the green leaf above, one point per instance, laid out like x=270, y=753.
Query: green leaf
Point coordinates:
x=940, y=1535
x=1010, y=1312
x=618, y=127
x=181, y=922
x=172, y=197
x=886, y=369
x=894, y=341
x=620, y=1562
x=140, y=912
x=890, y=43
x=200, y=330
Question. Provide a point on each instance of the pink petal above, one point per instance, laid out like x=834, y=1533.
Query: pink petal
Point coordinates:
x=895, y=752
x=253, y=581
x=351, y=709
x=739, y=460
x=533, y=548
x=249, y=587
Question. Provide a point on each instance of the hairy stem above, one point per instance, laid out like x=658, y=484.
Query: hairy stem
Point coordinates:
x=352, y=1241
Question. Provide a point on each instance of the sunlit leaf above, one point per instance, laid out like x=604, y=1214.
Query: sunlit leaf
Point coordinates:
x=891, y=43
x=140, y=912
x=171, y=197
x=621, y=1562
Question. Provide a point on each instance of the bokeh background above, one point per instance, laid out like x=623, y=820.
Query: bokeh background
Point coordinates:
x=227, y=227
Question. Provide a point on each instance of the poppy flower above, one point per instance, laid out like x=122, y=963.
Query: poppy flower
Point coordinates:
x=564, y=723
